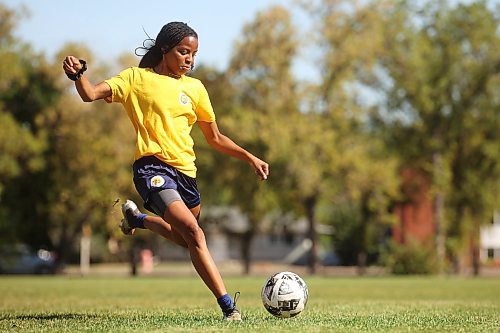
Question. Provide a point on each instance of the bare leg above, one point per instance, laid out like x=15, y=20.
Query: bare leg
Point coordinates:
x=162, y=228
x=185, y=231
x=183, y=222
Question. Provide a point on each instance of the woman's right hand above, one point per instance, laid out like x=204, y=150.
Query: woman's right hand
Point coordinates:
x=87, y=91
x=71, y=65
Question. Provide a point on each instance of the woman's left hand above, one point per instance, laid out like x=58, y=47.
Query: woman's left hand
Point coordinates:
x=261, y=168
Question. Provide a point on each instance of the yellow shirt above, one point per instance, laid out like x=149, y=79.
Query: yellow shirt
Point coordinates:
x=163, y=111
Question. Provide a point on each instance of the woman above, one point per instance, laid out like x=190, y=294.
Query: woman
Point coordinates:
x=163, y=104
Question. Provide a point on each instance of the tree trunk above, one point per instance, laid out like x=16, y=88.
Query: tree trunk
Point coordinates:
x=310, y=206
x=475, y=249
x=439, y=215
x=362, y=257
x=457, y=233
x=246, y=245
x=365, y=217
x=133, y=258
x=63, y=248
x=69, y=235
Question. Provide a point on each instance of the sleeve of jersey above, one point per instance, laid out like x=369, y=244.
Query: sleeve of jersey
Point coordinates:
x=120, y=85
x=204, y=110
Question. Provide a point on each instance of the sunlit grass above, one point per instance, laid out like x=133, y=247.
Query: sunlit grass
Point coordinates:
x=69, y=304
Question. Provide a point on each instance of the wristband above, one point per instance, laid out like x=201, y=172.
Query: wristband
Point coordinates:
x=78, y=75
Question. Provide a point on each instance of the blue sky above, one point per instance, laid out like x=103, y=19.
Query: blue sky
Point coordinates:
x=112, y=27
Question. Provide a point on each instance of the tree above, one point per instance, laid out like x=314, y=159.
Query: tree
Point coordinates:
x=309, y=163
x=441, y=78
x=25, y=90
x=260, y=74
x=20, y=149
x=357, y=166
x=91, y=153
x=71, y=166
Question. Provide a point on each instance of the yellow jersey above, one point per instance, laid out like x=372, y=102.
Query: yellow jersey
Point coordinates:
x=163, y=111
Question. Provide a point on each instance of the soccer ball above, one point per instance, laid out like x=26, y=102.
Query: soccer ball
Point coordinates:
x=284, y=294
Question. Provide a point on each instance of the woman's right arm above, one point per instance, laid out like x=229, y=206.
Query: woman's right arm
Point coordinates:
x=87, y=91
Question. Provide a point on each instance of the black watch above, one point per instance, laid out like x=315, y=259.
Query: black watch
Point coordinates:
x=77, y=76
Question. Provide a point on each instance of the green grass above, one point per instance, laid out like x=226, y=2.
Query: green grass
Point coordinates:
x=411, y=304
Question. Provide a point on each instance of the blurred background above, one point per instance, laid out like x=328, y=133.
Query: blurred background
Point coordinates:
x=380, y=120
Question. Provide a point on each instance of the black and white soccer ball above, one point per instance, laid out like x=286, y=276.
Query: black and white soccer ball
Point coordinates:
x=285, y=294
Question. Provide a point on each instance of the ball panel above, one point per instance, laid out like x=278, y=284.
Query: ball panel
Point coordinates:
x=267, y=290
x=275, y=311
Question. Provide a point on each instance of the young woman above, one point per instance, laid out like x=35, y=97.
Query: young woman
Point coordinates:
x=163, y=104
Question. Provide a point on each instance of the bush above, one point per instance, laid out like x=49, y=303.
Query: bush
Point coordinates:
x=410, y=258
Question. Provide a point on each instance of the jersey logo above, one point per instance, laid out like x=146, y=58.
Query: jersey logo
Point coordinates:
x=157, y=181
x=183, y=98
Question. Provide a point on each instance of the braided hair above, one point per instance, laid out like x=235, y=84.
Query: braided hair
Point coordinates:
x=169, y=36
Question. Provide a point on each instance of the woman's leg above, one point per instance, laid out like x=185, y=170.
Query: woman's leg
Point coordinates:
x=161, y=227
x=184, y=222
x=164, y=229
x=185, y=231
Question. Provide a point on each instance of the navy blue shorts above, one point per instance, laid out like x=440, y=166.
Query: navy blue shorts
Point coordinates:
x=152, y=175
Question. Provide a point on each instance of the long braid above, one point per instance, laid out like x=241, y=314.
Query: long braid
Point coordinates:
x=169, y=36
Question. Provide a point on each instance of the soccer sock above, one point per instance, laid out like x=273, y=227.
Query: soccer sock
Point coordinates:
x=137, y=221
x=225, y=303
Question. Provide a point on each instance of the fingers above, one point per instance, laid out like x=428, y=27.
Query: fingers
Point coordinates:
x=71, y=64
x=261, y=168
x=265, y=171
x=262, y=171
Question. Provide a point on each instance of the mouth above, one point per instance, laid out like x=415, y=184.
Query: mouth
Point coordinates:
x=186, y=68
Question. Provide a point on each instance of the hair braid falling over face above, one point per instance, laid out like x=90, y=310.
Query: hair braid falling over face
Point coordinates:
x=169, y=36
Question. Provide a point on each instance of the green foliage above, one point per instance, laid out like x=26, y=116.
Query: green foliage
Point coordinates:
x=19, y=150
x=22, y=146
x=410, y=258
x=444, y=70
x=347, y=237
x=10, y=66
x=354, y=171
x=61, y=160
x=263, y=96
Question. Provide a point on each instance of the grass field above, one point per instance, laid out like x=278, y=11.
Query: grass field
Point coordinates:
x=119, y=304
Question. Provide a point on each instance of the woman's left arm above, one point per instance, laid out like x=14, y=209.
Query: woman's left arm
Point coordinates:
x=225, y=145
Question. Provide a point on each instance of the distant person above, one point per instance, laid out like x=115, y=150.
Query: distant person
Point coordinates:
x=163, y=104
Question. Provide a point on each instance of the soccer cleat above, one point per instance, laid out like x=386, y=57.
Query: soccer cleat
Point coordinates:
x=129, y=209
x=233, y=314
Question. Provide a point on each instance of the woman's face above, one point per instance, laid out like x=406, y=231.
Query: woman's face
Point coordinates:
x=180, y=59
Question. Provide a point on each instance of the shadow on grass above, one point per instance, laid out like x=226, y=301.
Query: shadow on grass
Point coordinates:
x=55, y=316
x=120, y=319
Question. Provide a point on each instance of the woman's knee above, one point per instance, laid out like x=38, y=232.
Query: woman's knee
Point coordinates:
x=185, y=223
x=193, y=235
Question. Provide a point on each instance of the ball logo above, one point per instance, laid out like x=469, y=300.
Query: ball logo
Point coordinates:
x=157, y=181
x=288, y=305
x=183, y=98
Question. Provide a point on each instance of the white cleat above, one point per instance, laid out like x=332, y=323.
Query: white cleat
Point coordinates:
x=129, y=209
